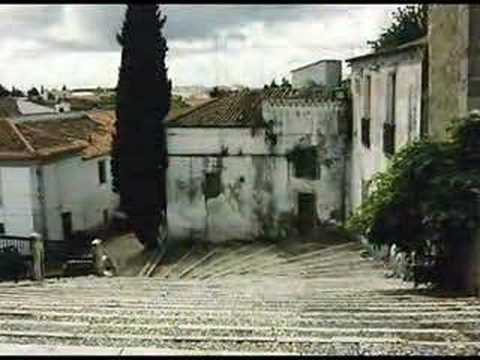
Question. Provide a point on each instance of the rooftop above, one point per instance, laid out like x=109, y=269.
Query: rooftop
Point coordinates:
x=89, y=134
x=313, y=64
x=239, y=109
x=405, y=47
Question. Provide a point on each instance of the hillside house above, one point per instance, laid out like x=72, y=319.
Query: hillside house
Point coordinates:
x=55, y=174
x=388, y=89
x=237, y=169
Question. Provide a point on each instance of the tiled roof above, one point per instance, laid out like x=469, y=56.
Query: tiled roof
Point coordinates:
x=88, y=134
x=240, y=109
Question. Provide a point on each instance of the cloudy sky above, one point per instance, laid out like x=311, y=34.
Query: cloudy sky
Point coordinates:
x=52, y=45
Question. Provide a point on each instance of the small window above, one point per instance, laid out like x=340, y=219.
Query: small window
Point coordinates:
x=391, y=93
x=366, y=132
x=2, y=228
x=105, y=217
x=389, y=126
x=102, y=172
x=212, y=185
x=367, y=97
x=305, y=163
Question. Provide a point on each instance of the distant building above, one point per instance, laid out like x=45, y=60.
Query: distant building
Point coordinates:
x=55, y=174
x=323, y=72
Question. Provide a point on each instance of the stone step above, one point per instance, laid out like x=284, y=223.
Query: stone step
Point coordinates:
x=212, y=331
x=341, y=346
x=49, y=350
x=305, y=304
x=243, y=313
x=108, y=338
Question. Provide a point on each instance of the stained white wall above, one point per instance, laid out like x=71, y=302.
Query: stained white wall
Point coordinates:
x=258, y=185
x=17, y=199
x=72, y=185
x=365, y=162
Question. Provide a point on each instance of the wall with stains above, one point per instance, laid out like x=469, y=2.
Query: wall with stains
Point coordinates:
x=256, y=184
x=366, y=162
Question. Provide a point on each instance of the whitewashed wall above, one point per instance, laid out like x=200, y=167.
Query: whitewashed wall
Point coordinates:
x=16, y=208
x=317, y=124
x=257, y=181
x=365, y=162
x=325, y=73
x=72, y=185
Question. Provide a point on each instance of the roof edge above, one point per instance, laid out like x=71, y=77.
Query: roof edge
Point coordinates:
x=421, y=42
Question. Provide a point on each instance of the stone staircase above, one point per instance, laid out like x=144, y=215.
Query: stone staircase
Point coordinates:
x=304, y=298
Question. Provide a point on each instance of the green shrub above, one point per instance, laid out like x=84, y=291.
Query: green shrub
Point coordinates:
x=425, y=200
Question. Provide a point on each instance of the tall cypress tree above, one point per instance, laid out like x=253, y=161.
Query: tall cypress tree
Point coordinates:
x=139, y=151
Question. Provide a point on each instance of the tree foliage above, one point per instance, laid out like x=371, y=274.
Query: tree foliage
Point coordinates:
x=409, y=23
x=139, y=152
x=17, y=93
x=425, y=201
x=33, y=92
x=3, y=91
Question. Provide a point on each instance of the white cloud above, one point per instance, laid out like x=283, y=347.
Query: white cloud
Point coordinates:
x=225, y=44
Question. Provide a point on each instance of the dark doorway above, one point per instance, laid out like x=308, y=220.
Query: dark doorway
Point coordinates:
x=67, y=225
x=307, y=213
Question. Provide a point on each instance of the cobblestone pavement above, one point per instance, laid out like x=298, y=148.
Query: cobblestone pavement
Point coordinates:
x=299, y=298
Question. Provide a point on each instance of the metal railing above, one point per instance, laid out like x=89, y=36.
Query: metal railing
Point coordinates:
x=22, y=243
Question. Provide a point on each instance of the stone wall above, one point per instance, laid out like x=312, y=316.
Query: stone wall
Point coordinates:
x=448, y=42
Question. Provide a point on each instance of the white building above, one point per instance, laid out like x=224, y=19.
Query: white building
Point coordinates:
x=323, y=72
x=55, y=174
x=232, y=174
x=387, y=89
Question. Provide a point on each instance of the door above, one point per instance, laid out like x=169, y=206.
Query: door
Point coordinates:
x=67, y=225
x=307, y=214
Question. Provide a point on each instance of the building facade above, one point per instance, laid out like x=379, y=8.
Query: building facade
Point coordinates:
x=236, y=170
x=323, y=72
x=387, y=96
x=55, y=175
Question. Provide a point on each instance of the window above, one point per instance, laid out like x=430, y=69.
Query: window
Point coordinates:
x=305, y=162
x=391, y=89
x=102, y=172
x=105, y=217
x=366, y=132
x=389, y=126
x=212, y=185
x=367, y=97
x=365, y=121
x=2, y=228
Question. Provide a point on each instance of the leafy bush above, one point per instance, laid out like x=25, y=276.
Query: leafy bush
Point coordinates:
x=425, y=201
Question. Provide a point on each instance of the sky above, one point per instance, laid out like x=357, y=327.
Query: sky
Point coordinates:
x=249, y=45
